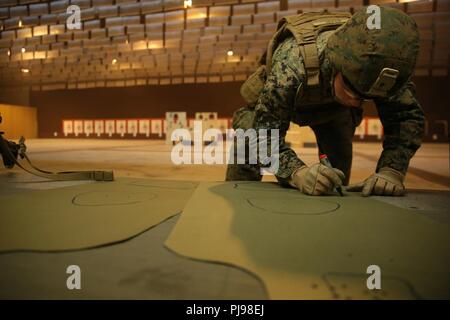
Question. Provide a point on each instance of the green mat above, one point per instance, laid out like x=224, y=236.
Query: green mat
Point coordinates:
x=88, y=215
x=305, y=247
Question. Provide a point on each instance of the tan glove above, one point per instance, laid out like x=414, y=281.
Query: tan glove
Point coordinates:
x=387, y=182
x=317, y=179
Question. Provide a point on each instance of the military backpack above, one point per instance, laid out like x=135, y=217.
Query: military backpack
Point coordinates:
x=305, y=28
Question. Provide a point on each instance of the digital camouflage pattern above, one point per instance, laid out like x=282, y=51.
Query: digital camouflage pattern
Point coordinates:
x=401, y=115
x=360, y=54
x=403, y=122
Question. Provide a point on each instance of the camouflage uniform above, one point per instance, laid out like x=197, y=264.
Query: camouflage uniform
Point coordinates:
x=333, y=124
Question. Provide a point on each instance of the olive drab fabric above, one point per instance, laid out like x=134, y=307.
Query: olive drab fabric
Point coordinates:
x=305, y=28
x=252, y=87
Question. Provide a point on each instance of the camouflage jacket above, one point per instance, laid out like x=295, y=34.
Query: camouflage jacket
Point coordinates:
x=402, y=116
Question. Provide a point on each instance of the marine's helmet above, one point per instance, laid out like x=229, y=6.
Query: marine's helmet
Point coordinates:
x=375, y=62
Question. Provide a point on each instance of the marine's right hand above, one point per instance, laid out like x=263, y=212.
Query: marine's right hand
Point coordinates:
x=317, y=179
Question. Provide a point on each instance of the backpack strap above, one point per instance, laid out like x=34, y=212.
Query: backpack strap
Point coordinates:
x=306, y=28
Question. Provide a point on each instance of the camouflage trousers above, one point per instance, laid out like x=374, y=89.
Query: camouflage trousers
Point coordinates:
x=334, y=138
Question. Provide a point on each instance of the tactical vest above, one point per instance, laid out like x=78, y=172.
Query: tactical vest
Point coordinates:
x=305, y=28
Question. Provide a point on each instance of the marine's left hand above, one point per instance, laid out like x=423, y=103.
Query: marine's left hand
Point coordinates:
x=387, y=182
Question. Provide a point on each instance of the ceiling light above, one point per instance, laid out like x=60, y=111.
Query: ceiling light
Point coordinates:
x=114, y=61
x=25, y=70
x=23, y=50
x=230, y=53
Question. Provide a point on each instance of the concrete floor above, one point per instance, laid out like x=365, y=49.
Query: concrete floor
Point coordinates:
x=142, y=267
x=429, y=169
